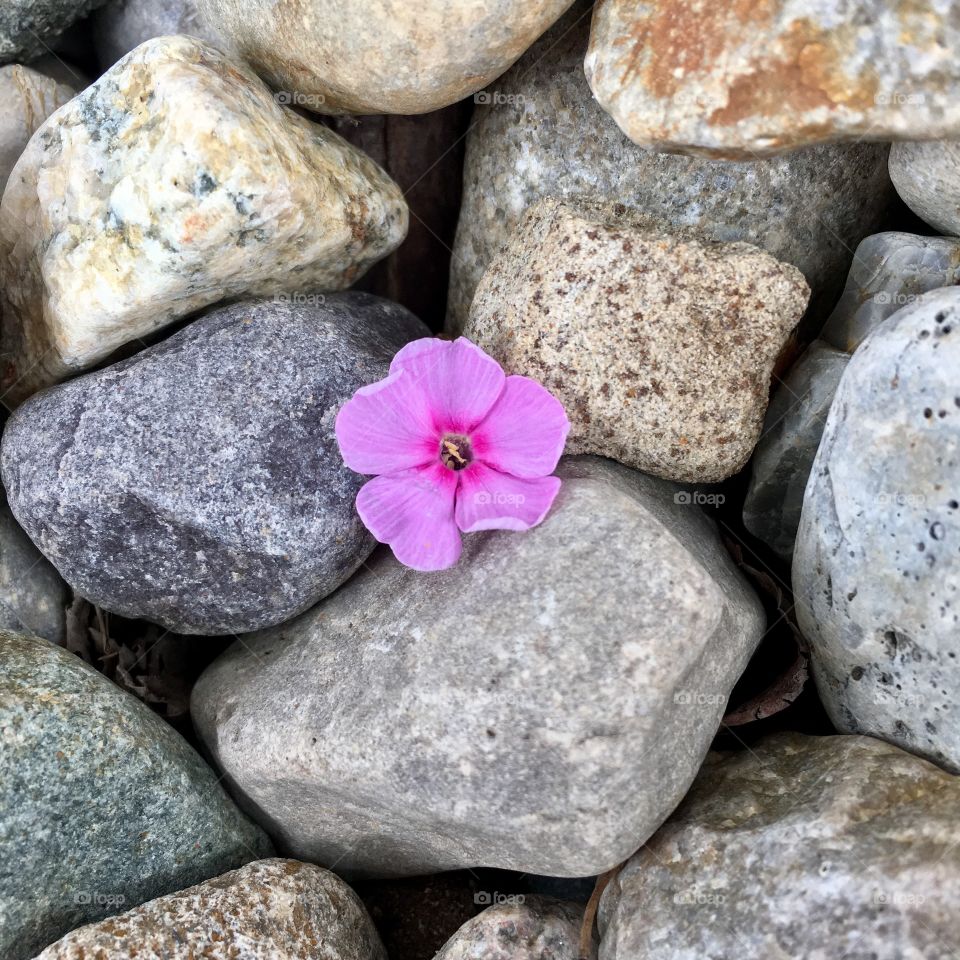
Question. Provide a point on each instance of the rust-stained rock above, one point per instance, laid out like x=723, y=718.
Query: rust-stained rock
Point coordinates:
x=268, y=910
x=753, y=77
x=380, y=56
x=660, y=345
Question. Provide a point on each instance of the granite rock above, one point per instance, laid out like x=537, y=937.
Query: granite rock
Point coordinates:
x=659, y=345
x=175, y=181
x=522, y=928
x=102, y=805
x=199, y=483
x=527, y=709
x=890, y=270
x=813, y=847
x=877, y=561
x=29, y=27
x=748, y=79
x=544, y=135
x=927, y=177
x=380, y=56
x=33, y=597
x=122, y=25
x=268, y=910
x=27, y=98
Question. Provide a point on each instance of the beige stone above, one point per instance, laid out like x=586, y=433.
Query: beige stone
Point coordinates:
x=380, y=56
x=175, y=181
x=746, y=78
x=659, y=344
x=267, y=910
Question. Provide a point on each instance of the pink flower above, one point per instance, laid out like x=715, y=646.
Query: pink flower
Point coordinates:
x=454, y=445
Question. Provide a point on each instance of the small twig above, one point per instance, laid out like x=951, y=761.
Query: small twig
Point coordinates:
x=590, y=913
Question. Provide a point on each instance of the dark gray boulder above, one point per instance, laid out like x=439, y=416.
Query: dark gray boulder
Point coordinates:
x=199, y=483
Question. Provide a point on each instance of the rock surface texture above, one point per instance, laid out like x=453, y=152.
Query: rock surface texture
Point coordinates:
x=102, y=804
x=540, y=707
x=890, y=271
x=660, y=346
x=199, y=484
x=530, y=928
x=122, y=25
x=747, y=79
x=814, y=847
x=269, y=910
x=29, y=27
x=380, y=56
x=545, y=136
x=27, y=98
x=173, y=182
x=927, y=177
x=877, y=563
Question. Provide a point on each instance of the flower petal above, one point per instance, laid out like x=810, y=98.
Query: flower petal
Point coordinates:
x=413, y=512
x=460, y=381
x=525, y=432
x=387, y=427
x=490, y=500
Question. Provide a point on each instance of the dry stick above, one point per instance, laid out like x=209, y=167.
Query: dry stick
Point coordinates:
x=590, y=913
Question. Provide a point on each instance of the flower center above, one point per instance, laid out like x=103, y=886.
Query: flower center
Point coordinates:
x=455, y=451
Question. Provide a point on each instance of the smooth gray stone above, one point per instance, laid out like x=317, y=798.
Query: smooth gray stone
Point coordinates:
x=818, y=848
x=889, y=271
x=540, y=707
x=877, y=562
x=927, y=177
x=102, y=805
x=791, y=434
x=541, y=133
x=122, y=25
x=199, y=483
x=29, y=28
x=33, y=596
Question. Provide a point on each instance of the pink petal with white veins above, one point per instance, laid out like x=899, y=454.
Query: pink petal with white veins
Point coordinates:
x=460, y=381
x=387, y=426
x=413, y=511
x=525, y=432
x=490, y=500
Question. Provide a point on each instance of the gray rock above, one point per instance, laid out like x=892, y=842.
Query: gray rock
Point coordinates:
x=927, y=177
x=659, y=345
x=791, y=434
x=877, y=560
x=199, y=483
x=543, y=135
x=33, y=597
x=812, y=847
x=122, y=25
x=889, y=271
x=28, y=28
x=102, y=804
x=523, y=928
x=269, y=910
x=27, y=98
x=529, y=709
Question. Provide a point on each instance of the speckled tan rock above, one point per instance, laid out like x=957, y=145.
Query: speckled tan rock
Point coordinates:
x=660, y=345
x=745, y=79
x=522, y=928
x=268, y=910
x=818, y=848
x=173, y=182
x=27, y=98
x=380, y=56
